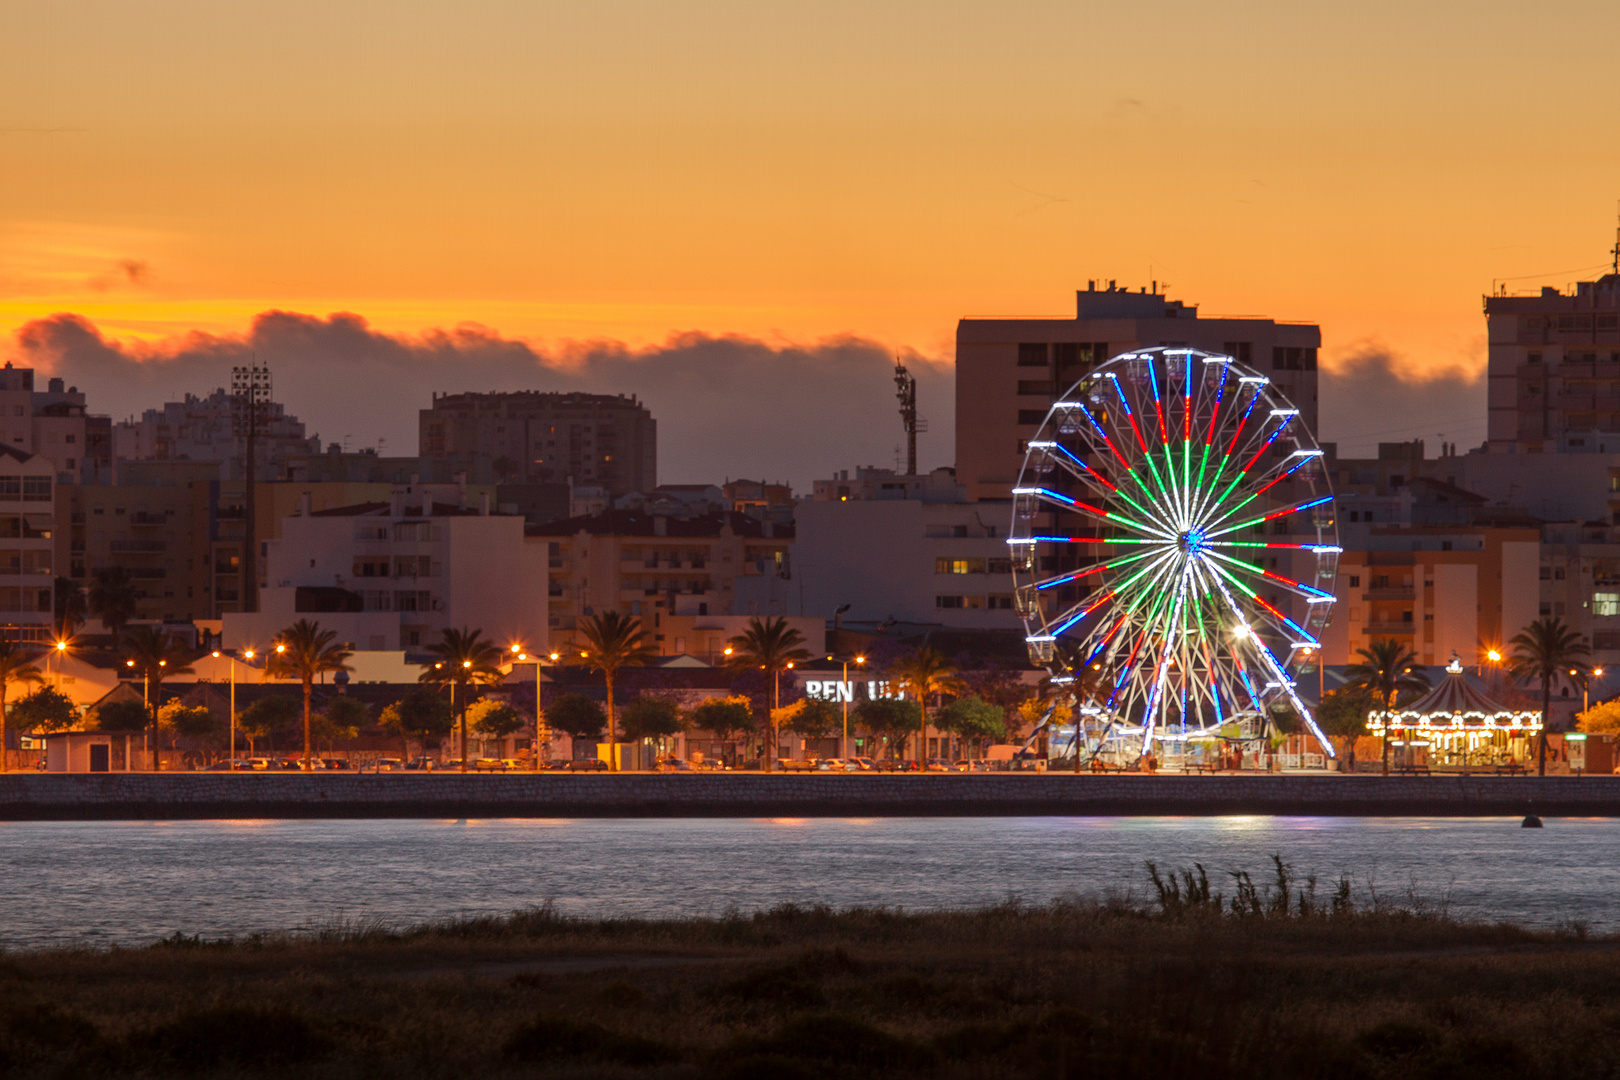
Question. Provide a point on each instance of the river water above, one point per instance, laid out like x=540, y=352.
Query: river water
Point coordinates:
x=129, y=883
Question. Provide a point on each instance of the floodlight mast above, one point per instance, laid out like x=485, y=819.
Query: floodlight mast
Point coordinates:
x=250, y=406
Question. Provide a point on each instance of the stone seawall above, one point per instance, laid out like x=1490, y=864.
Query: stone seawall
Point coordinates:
x=171, y=796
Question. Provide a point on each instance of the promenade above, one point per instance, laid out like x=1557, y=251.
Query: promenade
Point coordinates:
x=191, y=796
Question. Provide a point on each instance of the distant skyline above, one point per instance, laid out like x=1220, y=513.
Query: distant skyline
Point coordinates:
x=592, y=179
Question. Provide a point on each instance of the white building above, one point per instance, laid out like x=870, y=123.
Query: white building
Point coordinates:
x=202, y=429
x=390, y=576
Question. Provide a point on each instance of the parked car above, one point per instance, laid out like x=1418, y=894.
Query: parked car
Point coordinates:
x=334, y=763
x=587, y=765
x=387, y=764
x=420, y=763
x=941, y=765
x=225, y=766
x=799, y=765
x=866, y=764
x=259, y=764
x=674, y=764
x=487, y=765
x=974, y=765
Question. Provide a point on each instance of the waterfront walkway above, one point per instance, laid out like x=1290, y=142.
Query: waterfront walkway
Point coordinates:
x=176, y=796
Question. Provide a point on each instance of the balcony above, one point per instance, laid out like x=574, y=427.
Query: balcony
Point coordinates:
x=1397, y=592
x=1390, y=629
x=140, y=547
x=142, y=517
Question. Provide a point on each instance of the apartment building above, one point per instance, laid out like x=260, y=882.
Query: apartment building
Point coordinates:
x=157, y=523
x=28, y=492
x=393, y=574
x=275, y=502
x=53, y=424
x=1553, y=370
x=1009, y=371
x=533, y=437
x=706, y=565
x=203, y=429
x=1437, y=589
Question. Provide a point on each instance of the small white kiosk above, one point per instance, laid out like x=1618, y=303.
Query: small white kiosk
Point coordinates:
x=91, y=751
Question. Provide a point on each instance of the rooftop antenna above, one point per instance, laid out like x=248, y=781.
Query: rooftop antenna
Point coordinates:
x=1615, y=251
x=906, y=390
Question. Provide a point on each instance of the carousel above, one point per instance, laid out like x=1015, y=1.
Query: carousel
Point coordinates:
x=1456, y=725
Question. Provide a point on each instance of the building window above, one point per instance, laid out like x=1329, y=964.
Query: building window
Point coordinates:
x=948, y=601
x=1606, y=603
x=1032, y=355
x=1031, y=417
x=1241, y=351
x=1034, y=387
x=959, y=566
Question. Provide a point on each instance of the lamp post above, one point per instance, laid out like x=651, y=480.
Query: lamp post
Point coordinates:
x=1586, y=688
x=247, y=654
x=843, y=749
x=146, y=704
x=541, y=735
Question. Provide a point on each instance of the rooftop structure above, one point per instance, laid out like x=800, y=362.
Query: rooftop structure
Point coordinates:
x=201, y=429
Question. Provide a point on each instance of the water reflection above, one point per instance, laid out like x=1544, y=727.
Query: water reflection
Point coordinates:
x=132, y=882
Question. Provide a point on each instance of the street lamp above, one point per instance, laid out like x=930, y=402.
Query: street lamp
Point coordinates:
x=541, y=735
x=247, y=654
x=843, y=750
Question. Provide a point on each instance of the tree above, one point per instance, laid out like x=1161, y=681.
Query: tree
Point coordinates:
x=1343, y=715
x=122, y=716
x=926, y=673
x=16, y=666
x=612, y=641
x=494, y=719
x=726, y=717
x=772, y=646
x=972, y=717
x=465, y=658
x=1543, y=651
x=267, y=718
x=153, y=657
x=650, y=717
x=189, y=721
x=891, y=719
x=304, y=651
x=71, y=607
x=422, y=715
x=576, y=714
x=45, y=710
x=1603, y=717
x=814, y=718
x=341, y=718
x=1386, y=668
x=113, y=599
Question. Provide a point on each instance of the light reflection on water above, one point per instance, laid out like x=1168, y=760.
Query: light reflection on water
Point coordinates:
x=132, y=882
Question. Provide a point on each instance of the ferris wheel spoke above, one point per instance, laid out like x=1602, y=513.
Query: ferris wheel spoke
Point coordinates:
x=1272, y=516
x=1066, y=502
x=1112, y=564
x=1284, y=469
x=1299, y=588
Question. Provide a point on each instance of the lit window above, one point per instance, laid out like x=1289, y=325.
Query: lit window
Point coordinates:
x=1606, y=603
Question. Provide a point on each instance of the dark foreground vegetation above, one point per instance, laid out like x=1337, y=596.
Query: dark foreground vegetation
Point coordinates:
x=1213, y=977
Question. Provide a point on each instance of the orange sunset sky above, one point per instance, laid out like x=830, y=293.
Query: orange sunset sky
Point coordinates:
x=627, y=169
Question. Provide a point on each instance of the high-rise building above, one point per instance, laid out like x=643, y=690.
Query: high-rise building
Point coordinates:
x=1554, y=370
x=201, y=429
x=531, y=437
x=1008, y=371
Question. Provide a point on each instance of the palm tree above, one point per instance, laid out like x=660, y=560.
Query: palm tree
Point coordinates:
x=1542, y=651
x=926, y=673
x=16, y=666
x=153, y=657
x=113, y=599
x=1387, y=667
x=303, y=651
x=465, y=658
x=70, y=607
x=612, y=641
x=772, y=646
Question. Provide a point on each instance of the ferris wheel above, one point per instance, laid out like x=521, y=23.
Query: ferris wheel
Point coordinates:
x=1173, y=546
